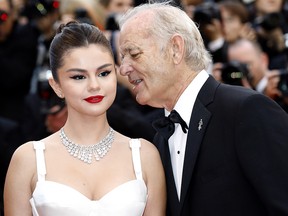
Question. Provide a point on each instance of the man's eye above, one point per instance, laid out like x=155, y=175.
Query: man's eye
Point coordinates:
x=78, y=77
x=134, y=55
x=104, y=73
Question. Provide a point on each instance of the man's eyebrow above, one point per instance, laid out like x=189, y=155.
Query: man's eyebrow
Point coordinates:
x=129, y=49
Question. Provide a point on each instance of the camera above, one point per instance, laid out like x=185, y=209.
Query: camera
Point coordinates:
x=206, y=12
x=283, y=83
x=46, y=94
x=270, y=21
x=233, y=72
x=35, y=9
x=112, y=22
x=81, y=15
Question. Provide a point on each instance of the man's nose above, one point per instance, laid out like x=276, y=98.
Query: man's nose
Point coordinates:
x=125, y=68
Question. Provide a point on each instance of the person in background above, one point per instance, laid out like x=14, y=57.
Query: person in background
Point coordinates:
x=18, y=51
x=220, y=24
x=235, y=21
x=207, y=17
x=91, y=9
x=224, y=148
x=44, y=113
x=189, y=6
x=87, y=167
x=269, y=19
x=260, y=78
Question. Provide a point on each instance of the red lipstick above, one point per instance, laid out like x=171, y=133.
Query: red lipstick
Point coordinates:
x=94, y=99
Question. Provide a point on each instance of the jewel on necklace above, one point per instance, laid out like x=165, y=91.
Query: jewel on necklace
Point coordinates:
x=85, y=153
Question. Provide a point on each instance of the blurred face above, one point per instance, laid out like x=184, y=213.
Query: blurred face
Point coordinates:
x=268, y=6
x=46, y=24
x=87, y=80
x=256, y=62
x=149, y=69
x=6, y=23
x=120, y=6
x=189, y=6
x=231, y=25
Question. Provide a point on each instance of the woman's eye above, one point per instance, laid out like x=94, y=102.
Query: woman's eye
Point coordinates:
x=78, y=77
x=104, y=73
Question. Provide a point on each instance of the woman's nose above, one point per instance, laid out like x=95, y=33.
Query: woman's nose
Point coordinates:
x=93, y=84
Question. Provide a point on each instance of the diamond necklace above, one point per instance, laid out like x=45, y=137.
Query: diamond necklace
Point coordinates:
x=85, y=152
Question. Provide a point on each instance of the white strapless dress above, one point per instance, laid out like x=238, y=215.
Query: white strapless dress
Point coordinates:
x=55, y=199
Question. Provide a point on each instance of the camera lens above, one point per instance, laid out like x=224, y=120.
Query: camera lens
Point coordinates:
x=283, y=83
x=233, y=72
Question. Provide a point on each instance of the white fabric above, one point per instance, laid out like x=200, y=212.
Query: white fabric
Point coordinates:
x=216, y=44
x=55, y=199
x=177, y=142
x=262, y=84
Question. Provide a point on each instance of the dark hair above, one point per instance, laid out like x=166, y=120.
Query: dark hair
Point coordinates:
x=74, y=35
x=105, y=3
x=236, y=8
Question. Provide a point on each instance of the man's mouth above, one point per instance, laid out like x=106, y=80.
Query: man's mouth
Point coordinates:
x=136, y=82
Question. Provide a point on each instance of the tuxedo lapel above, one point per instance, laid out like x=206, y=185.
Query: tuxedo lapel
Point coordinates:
x=198, y=123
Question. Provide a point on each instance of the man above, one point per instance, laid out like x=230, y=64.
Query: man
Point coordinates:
x=263, y=80
x=233, y=160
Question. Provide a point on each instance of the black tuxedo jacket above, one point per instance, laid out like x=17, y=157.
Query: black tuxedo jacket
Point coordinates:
x=236, y=163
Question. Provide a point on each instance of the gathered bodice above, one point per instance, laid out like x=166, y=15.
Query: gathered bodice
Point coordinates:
x=55, y=199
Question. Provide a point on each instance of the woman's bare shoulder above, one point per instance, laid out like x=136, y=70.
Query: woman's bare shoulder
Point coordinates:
x=147, y=147
x=23, y=150
x=23, y=157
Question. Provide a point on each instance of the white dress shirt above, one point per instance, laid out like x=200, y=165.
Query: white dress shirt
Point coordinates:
x=177, y=142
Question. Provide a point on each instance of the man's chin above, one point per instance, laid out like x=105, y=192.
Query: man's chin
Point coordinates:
x=141, y=100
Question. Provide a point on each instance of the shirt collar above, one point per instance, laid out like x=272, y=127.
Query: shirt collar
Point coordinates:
x=187, y=99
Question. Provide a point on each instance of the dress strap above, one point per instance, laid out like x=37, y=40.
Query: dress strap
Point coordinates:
x=40, y=160
x=135, y=146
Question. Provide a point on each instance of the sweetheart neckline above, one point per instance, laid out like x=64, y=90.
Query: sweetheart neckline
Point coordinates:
x=78, y=192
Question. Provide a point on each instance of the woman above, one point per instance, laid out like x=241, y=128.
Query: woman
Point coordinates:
x=87, y=168
x=235, y=18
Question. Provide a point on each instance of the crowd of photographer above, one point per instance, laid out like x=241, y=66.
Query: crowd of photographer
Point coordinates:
x=248, y=42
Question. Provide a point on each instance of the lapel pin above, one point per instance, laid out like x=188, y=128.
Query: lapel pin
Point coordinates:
x=200, y=123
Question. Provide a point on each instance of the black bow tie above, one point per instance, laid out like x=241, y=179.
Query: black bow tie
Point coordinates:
x=165, y=126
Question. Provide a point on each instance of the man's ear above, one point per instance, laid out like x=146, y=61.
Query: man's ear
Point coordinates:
x=56, y=87
x=177, y=42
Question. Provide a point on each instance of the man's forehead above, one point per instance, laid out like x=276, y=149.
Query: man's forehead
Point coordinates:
x=141, y=20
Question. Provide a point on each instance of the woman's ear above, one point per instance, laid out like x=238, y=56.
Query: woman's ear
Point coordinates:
x=56, y=87
x=177, y=48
